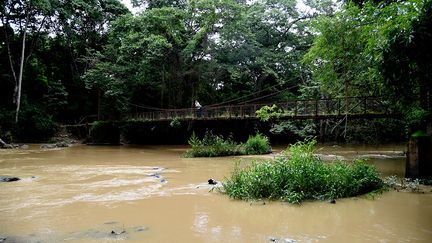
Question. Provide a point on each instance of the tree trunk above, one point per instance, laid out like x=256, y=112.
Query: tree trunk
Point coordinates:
x=19, y=84
x=162, y=86
x=10, y=57
x=98, y=103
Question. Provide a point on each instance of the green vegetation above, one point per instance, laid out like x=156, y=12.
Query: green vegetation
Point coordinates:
x=215, y=145
x=212, y=146
x=267, y=113
x=258, y=144
x=62, y=61
x=104, y=132
x=302, y=176
x=369, y=48
x=175, y=123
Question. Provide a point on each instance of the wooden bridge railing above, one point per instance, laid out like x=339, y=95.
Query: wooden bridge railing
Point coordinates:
x=301, y=109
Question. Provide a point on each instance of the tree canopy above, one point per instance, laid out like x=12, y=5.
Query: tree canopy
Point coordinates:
x=77, y=58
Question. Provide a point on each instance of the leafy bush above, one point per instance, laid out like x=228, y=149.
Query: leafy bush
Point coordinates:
x=302, y=177
x=416, y=115
x=305, y=129
x=212, y=146
x=6, y=125
x=215, y=145
x=175, y=122
x=375, y=131
x=257, y=144
x=104, y=132
x=34, y=123
x=266, y=112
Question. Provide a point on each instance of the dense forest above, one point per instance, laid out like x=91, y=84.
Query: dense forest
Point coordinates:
x=64, y=60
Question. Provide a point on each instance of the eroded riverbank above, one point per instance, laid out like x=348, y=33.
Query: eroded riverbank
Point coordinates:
x=82, y=194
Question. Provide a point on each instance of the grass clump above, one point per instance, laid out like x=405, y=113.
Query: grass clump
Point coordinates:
x=215, y=145
x=301, y=177
x=258, y=144
x=212, y=146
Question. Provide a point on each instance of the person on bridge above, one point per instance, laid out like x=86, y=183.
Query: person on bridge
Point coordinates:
x=199, y=109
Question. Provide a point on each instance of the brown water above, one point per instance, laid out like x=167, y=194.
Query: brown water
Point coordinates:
x=82, y=193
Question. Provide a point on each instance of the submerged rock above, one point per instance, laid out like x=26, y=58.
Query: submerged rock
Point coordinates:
x=285, y=240
x=19, y=239
x=54, y=145
x=24, y=146
x=140, y=228
x=118, y=233
x=8, y=178
x=62, y=145
x=257, y=203
x=111, y=222
x=3, y=144
x=330, y=157
x=48, y=146
x=156, y=175
x=392, y=155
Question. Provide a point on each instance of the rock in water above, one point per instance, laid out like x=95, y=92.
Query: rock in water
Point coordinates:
x=48, y=146
x=118, y=233
x=62, y=145
x=5, y=145
x=8, y=179
x=212, y=182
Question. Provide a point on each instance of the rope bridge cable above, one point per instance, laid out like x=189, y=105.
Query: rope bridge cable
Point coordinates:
x=148, y=107
x=228, y=101
x=232, y=100
x=242, y=97
x=272, y=94
x=239, y=98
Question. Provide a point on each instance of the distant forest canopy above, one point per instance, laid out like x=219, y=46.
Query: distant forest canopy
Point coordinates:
x=63, y=60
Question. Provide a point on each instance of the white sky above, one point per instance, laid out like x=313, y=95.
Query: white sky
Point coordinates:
x=127, y=3
x=300, y=5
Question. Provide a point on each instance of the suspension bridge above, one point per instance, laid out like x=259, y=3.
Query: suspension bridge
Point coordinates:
x=351, y=107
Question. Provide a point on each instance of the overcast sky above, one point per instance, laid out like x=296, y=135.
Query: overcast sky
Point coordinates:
x=127, y=3
x=300, y=5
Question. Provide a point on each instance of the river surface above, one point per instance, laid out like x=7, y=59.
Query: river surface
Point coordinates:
x=151, y=194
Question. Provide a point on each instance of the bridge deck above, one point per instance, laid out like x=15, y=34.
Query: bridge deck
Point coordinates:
x=358, y=107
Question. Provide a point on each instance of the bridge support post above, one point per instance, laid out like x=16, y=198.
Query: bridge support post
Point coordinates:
x=419, y=157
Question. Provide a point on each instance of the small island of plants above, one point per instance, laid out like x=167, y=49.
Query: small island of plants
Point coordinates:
x=216, y=145
x=300, y=175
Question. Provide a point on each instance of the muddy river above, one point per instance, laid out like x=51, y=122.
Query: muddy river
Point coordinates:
x=151, y=194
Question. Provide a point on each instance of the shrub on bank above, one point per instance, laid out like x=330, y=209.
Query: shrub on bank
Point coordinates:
x=302, y=176
x=258, y=144
x=104, y=132
x=215, y=145
x=212, y=146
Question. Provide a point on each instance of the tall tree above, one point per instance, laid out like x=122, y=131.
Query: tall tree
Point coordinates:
x=42, y=45
x=262, y=47
x=407, y=69
x=347, y=54
x=23, y=17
